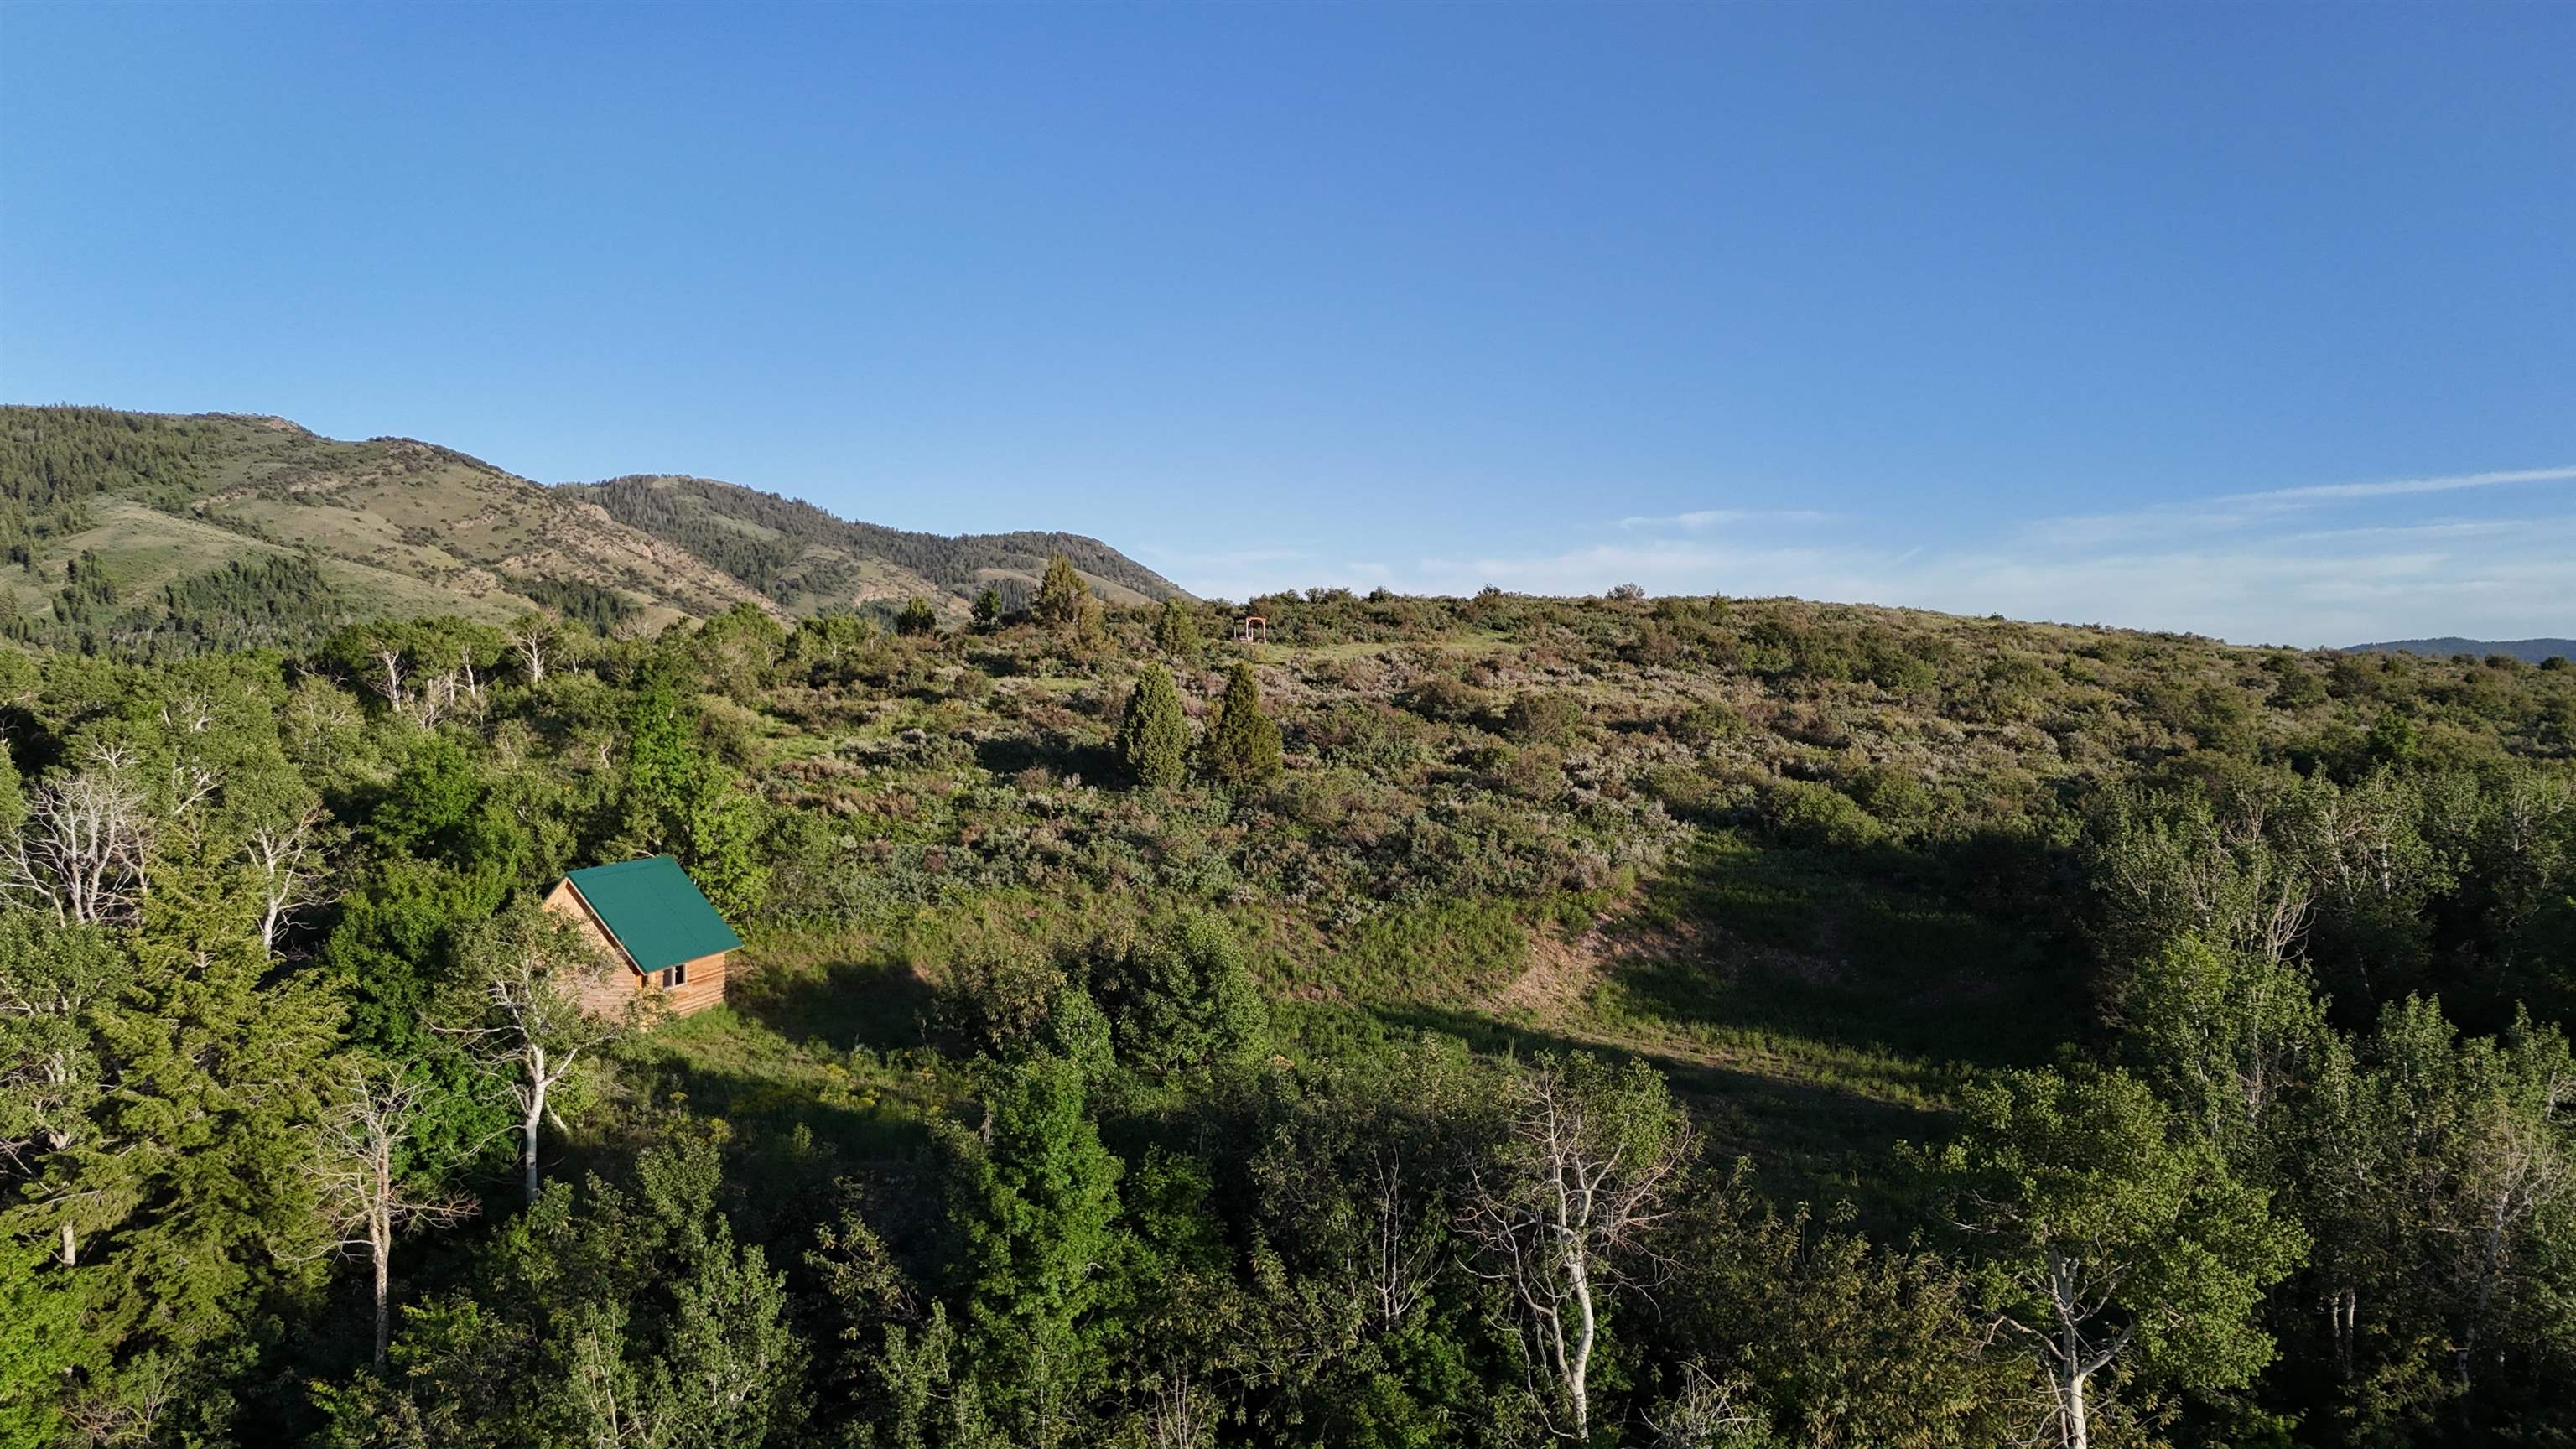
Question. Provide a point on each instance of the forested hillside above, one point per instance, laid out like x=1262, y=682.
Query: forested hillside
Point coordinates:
x=1494, y=1021
x=128, y=532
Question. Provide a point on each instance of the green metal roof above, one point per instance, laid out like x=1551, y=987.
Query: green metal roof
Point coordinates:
x=655, y=911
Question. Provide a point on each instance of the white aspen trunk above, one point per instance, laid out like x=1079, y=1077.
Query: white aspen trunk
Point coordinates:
x=71, y=1252
x=1578, y=1365
x=528, y=1151
x=2070, y=1369
x=536, y=1116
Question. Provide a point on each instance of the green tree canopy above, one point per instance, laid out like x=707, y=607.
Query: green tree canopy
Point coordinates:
x=1035, y=1204
x=1061, y=595
x=1242, y=746
x=1176, y=633
x=2106, y=1234
x=1182, y=998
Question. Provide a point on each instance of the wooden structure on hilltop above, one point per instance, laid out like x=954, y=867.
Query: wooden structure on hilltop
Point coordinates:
x=651, y=918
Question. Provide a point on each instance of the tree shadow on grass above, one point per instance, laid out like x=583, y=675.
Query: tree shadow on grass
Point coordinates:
x=1808, y=1141
x=857, y=1121
x=1807, y=943
x=876, y=1003
x=795, y=1130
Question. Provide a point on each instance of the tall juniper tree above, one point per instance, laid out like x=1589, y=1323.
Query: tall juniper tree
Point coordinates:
x=1242, y=745
x=1061, y=595
x=1176, y=633
x=1153, y=738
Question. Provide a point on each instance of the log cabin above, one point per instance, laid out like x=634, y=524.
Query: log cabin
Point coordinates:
x=648, y=915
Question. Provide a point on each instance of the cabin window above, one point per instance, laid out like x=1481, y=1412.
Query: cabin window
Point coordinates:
x=675, y=976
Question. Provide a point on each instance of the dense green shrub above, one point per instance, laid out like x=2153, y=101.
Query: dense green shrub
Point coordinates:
x=1180, y=998
x=1544, y=717
x=1806, y=813
x=1445, y=697
x=1706, y=722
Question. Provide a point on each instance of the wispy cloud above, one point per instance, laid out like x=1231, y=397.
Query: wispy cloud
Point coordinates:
x=2451, y=483
x=2266, y=510
x=1724, y=517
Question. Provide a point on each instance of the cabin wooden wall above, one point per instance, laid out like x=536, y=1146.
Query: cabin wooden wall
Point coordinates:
x=704, y=988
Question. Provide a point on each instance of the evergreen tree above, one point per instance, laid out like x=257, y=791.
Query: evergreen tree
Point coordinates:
x=917, y=617
x=1242, y=746
x=88, y=595
x=1036, y=1204
x=1061, y=595
x=720, y=823
x=13, y=791
x=41, y=1342
x=393, y=952
x=1176, y=633
x=1153, y=739
x=438, y=808
x=988, y=607
x=197, y=1169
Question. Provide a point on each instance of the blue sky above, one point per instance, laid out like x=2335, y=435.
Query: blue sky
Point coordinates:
x=2253, y=320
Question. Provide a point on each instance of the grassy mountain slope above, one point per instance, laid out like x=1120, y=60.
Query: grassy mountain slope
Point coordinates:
x=804, y=557
x=144, y=502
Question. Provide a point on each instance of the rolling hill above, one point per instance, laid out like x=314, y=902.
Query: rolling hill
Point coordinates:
x=110, y=520
x=2529, y=651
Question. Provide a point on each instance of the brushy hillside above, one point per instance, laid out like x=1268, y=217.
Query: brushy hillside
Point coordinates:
x=1882, y=971
x=124, y=529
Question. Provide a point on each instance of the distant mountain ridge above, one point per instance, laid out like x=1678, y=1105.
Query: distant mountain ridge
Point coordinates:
x=2529, y=651
x=126, y=521
x=804, y=557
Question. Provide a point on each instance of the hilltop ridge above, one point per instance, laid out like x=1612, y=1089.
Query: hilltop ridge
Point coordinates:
x=2529, y=651
x=113, y=520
